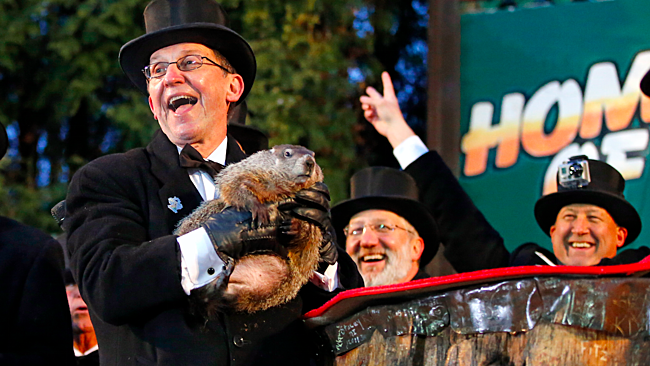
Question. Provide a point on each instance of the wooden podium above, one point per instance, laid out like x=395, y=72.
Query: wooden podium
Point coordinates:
x=512, y=317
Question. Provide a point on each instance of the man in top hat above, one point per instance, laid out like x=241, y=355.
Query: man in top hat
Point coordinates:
x=121, y=211
x=457, y=229
x=388, y=232
x=588, y=219
x=34, y=317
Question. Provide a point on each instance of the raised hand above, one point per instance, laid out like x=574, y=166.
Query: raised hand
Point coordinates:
x=383, y=112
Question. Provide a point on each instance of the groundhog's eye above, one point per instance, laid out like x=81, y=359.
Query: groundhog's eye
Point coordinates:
x=288, y=153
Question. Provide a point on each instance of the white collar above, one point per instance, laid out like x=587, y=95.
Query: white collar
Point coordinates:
x=78, y=353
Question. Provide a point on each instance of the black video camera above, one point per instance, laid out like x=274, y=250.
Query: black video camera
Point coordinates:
x=574, y=173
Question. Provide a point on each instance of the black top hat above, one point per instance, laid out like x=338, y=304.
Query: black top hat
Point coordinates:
x=68, y=278
x=645, y=84
x=381, y=188
x=605, y=190
x=4, y=141
x=250, y=138
x=170, y=22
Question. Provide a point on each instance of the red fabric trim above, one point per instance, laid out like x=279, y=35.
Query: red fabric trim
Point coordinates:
x=351, y=300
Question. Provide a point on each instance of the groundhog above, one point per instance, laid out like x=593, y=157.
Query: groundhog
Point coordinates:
x=262, y=280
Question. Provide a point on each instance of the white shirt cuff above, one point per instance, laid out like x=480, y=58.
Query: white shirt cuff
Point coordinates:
x=200, y=263
x=328, y=281
x=409, y=151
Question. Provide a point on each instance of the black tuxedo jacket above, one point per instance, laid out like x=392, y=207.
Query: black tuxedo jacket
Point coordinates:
x=471, y=243
x=127, y=265
x=35, y=325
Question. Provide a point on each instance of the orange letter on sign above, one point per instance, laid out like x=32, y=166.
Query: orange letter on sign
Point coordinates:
x=568, y=97
x=483, y=136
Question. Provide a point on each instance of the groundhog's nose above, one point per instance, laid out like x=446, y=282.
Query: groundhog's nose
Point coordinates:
x=309, y=164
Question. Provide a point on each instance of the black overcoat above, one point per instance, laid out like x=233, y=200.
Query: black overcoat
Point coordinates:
x=127, y=265
x=35, y=325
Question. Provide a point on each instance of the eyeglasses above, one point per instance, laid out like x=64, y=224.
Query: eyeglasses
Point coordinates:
x=185, y=63
x=380, y=229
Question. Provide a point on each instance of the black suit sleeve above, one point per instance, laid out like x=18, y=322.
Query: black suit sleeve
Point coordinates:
x=471, y=243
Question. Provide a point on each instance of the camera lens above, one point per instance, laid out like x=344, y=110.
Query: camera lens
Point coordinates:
x=575, y=170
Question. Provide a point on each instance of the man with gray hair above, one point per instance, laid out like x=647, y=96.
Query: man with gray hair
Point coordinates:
x=388, y=233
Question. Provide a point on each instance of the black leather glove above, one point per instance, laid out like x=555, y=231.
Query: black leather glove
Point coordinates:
x=313, y=205
x=232, y=233
x=328, y=252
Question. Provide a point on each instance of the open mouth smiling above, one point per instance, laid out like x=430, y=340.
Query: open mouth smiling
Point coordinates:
x=370, y=258
x=180, y=100
x=580, y=245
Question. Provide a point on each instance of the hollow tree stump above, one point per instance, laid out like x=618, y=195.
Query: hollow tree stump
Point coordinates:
x=546, y=344
x=522, y=322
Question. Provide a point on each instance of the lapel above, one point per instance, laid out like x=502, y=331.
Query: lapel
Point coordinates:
x=175, y=183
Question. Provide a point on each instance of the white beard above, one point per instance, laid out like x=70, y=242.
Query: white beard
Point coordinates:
x=397, y=267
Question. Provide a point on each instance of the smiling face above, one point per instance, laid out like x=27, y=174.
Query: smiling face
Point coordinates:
x=584, y=234
x=78, y=311
x=192, y=106
x=384, y=258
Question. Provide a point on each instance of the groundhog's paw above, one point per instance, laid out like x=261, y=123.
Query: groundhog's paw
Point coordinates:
x=260, y=214
x=290, y=228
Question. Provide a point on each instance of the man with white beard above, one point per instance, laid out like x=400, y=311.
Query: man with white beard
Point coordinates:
x=388, y=233
x=395, y=214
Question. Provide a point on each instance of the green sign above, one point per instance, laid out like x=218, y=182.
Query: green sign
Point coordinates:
x=539, y=85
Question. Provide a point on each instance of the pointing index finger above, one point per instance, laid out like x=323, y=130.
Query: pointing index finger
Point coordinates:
x=389, y=91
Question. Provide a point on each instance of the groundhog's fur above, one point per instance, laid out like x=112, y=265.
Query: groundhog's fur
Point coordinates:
x=262, y=281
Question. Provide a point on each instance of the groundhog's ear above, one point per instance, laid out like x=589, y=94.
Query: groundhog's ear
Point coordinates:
x=235, y=88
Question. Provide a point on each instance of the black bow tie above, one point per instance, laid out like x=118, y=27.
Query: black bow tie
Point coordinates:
x=190, y=158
